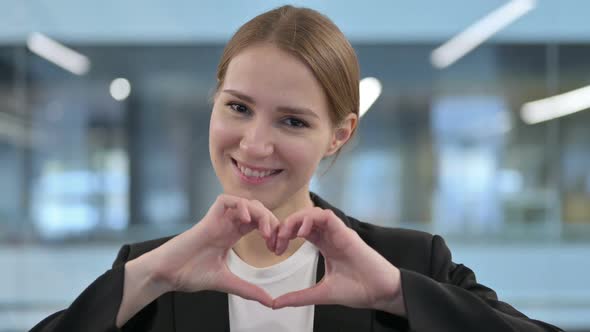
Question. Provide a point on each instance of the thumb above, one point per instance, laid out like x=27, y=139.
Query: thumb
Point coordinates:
x=237, y=286
x=317, y=294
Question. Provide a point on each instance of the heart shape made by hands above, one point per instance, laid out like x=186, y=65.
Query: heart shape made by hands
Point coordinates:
x=355, y=274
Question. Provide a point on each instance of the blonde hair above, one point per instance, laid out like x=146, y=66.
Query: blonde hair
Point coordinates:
x=314, y=39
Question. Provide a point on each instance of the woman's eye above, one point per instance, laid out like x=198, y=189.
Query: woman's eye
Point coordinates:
x=238, y=107
x=293, y=122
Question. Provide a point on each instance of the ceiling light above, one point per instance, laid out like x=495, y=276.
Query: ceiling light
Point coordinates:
x=58, y=54
x=480, y=31
x=120, y=89
x=556, y=106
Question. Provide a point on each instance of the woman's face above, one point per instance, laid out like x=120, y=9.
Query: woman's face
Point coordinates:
x=270, y=127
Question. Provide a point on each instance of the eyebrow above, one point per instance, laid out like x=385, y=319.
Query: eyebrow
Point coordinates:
x=282, y=109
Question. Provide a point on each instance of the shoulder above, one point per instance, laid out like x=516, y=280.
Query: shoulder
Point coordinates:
x=139, y=248
x=405, y=248
x=133, y=250
x=377, y=234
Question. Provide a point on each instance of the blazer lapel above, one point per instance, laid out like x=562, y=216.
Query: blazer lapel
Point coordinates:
x=339, y=318
x=202, y=311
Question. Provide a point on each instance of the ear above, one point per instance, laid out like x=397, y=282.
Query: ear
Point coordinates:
x=342, y=133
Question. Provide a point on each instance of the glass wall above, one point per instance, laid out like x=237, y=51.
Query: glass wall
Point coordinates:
x=444, y=151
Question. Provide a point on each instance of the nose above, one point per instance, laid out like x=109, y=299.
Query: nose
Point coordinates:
x=257, y=140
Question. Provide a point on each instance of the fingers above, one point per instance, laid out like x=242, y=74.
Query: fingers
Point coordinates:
x=241, y=216
x=286, y=233
x=237, y=286
x=306, y=227
x=234, y=205
x=252, y=214
x=298, y=224
x=262, y=217
x=276, y=224
x=307, y=224
x=243, y=211
x=317, y=294
x=266, y=222
x=311, y=224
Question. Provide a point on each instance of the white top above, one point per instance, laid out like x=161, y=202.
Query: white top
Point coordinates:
x=295, y=273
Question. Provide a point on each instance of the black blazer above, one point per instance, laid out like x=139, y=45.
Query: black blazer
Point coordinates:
x=439, y=294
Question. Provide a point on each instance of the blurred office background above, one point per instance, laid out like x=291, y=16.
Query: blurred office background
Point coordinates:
x=110, y=146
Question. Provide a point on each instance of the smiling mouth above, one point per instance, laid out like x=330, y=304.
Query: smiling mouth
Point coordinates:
x=255, y=174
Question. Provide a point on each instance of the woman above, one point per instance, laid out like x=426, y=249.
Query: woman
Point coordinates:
x=287, y=96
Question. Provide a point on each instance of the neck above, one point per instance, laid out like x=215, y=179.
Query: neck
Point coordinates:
x=251, y=248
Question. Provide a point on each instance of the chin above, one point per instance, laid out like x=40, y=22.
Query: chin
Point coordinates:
x=267, y=198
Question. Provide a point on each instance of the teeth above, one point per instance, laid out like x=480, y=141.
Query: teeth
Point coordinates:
x=253, y=173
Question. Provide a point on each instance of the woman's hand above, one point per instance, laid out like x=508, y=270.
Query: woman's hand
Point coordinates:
x=356, y=275
x=196, y=259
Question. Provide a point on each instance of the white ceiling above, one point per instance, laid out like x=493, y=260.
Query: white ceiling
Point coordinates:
x=193, y=21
